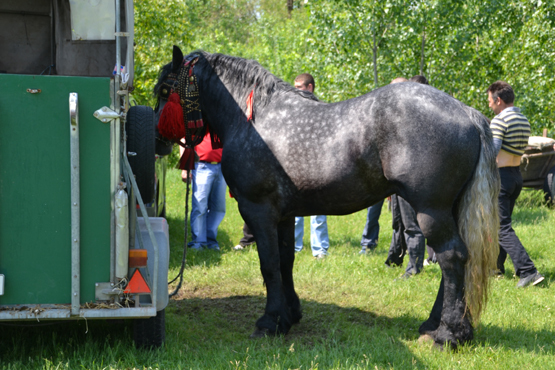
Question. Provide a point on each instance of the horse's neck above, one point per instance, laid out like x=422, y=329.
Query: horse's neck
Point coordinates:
x=224, y=99
x=235, y=82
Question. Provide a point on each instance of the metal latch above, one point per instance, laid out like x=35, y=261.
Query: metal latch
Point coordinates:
x=106, y=114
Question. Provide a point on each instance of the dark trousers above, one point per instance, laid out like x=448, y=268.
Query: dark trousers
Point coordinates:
x=247, y=238
x=511, y=185
x=407, y=237
x=371, y=230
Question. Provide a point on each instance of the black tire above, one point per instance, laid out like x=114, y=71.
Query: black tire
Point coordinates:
x=549, y=186
x=151, y=332
x=140, y=140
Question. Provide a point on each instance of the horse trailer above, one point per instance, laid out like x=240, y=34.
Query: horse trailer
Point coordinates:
x=78, y=184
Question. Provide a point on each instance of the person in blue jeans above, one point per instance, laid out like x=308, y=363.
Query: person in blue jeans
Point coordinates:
x=371, y=232
x=319, y=238
x=209, y=192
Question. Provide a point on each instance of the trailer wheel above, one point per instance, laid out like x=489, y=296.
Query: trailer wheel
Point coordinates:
x=140, y=140
x=151, y=332
x=549, y=186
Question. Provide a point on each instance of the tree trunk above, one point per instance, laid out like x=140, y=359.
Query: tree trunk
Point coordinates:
x=375, y=59
x=289, y=7
x=423, y=47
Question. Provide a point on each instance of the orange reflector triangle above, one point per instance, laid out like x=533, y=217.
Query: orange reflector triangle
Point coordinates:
x=137, y=284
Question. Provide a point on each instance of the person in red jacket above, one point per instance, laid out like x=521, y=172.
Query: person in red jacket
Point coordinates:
x=209, y=192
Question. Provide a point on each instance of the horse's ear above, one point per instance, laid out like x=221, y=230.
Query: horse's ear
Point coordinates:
x=177, y=58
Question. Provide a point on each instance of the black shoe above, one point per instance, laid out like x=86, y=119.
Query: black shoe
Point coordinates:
x=407, y=275
x=498, y=273
x=367, y=249
x=533, y=279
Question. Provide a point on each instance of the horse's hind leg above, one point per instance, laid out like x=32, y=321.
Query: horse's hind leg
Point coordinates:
x=286, y=240
x=435, y=316
x=449, y=321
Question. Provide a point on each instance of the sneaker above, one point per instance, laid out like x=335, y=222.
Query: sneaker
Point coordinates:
x=320, y=256
x=363, y=250
x=533, y=279
x=238, y=247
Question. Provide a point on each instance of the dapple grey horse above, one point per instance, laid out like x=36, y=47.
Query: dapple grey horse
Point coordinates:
x=288, y=155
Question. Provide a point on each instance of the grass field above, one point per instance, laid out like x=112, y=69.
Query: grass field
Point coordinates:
x=355, y=314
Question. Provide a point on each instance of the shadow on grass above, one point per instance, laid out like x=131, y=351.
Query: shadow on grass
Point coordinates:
x=201, y=257
x=331, y=323
x=58, y=340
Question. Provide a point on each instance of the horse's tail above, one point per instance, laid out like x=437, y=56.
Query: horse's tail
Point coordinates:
x=478, y=220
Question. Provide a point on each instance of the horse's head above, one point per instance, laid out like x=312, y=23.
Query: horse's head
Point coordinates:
x=177, y=109
x=168, y=79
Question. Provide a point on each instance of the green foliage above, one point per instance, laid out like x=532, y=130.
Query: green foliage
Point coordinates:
x=159, y=24
x=460, y=46
x=354, y=46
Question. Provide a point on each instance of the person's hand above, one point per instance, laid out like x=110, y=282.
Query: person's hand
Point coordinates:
x=184, y=177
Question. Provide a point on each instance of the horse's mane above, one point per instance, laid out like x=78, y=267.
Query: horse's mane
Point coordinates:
x=241, y=76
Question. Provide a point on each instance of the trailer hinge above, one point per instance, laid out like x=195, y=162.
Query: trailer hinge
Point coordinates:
x=106, y=114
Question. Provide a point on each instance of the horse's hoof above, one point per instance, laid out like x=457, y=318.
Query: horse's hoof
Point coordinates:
x=438, y=346
x=260, y=333
x=425, y=338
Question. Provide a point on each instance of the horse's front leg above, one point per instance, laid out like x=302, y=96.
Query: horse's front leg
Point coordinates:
x=286, y=242
x=263, y=222
x=449, y=320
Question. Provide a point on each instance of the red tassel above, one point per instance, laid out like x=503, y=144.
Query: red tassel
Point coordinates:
x=191, y=124
x=249, y=105
x=199, y=123
x=172, y=124
x=187, y=160
x=215, y=141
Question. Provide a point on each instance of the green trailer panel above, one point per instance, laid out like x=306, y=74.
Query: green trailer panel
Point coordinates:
x=35, y=188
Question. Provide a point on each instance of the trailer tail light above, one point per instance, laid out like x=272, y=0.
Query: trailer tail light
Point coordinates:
x=137, y=258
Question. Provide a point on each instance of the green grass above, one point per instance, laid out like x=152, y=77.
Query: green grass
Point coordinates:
x=355, y=314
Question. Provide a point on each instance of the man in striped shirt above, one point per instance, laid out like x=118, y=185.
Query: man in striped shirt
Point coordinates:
x=510, y=130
